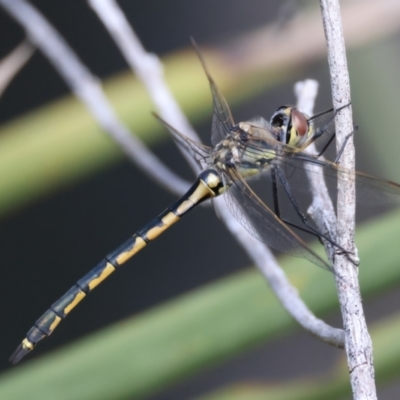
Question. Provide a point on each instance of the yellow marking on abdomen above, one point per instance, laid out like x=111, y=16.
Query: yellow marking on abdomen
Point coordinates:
x=27, y=344
x=202, y=192
x=54, y=324
x=166, y=221
x=109, y=269
x=78, y=298
x=156, y=231
x=184, y=207
x=170, y=219
x=126, y=255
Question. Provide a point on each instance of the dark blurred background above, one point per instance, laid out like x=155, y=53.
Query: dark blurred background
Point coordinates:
x=50, y=243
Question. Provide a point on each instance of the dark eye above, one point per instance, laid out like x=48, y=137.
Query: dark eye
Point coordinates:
x=278, y=119
x=281, y=121
x=277, y=122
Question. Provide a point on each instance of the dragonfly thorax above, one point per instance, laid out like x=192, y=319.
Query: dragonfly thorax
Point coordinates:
x=248, y=149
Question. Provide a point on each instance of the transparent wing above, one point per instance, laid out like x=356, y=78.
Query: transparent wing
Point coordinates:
x=219, y=126
x=198, y=151
x=263, y=224
x=222, y=120
x=369, y=189
x=323, y=125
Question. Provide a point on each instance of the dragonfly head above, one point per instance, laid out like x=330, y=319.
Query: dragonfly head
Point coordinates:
x=291, y=126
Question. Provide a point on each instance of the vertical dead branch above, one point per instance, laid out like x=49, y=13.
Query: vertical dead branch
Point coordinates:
x=358, y=343
x=321, y=209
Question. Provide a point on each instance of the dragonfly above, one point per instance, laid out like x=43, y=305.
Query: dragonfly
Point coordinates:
x=238, y=153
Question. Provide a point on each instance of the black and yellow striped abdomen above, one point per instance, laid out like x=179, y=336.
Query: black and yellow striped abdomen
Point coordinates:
x=207, y=185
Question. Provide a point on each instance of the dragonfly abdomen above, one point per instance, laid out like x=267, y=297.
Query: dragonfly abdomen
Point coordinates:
x=207, y=185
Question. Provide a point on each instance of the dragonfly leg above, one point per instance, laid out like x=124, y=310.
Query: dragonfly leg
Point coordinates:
x=292, y=199
x=340, y=152
x=277, y=212
x=322, y=130
x=328, y=143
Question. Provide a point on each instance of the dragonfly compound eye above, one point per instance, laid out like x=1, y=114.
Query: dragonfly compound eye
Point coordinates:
x=299, y=122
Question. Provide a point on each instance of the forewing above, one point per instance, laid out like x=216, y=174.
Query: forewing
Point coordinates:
x=369, y=189
x=222, y=120
x=198, y=151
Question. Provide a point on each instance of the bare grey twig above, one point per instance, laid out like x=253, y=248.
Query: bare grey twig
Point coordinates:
x=321, y=209
x=13, y=62
x=88, y=89
x=358, y=343
x=147, y=67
